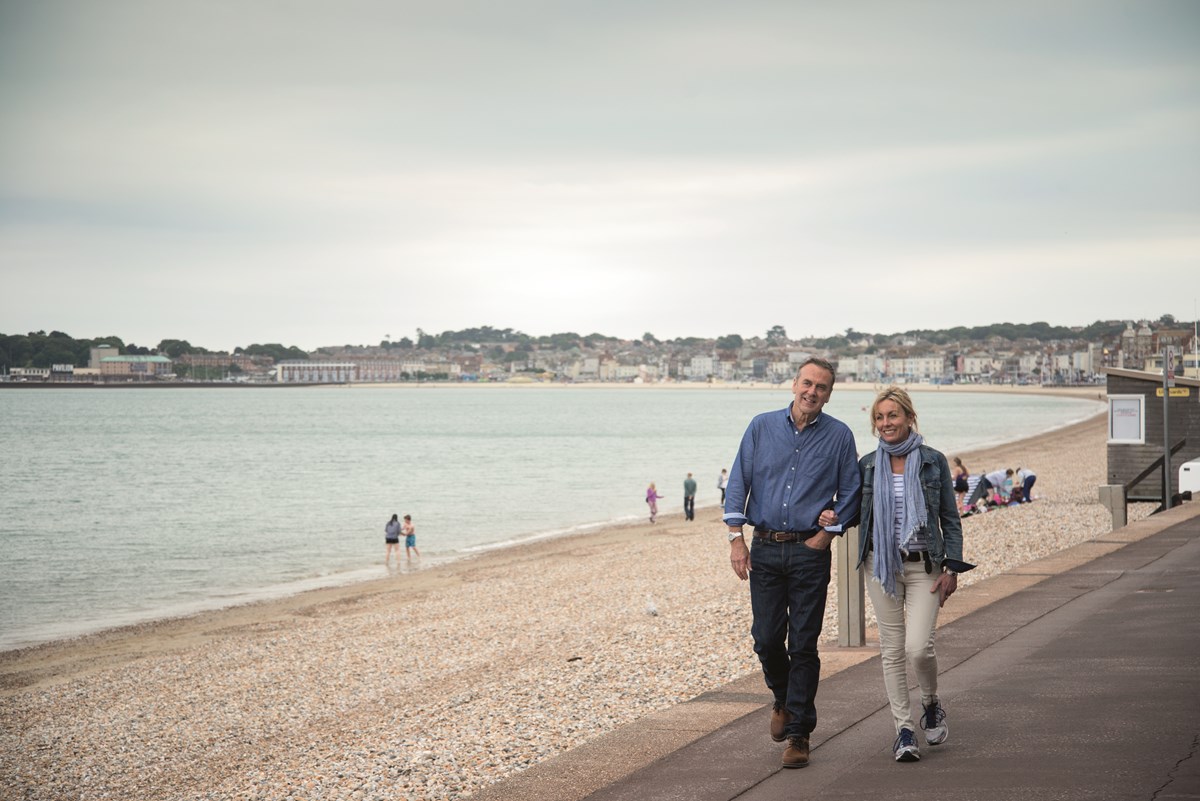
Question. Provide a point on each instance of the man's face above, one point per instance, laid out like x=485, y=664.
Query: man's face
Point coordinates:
x=812, y=389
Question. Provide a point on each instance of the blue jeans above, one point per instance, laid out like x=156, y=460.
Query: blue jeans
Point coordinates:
x=1027, y=490
x=788, y=585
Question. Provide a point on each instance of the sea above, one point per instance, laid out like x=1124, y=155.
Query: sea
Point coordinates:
x=119, y=506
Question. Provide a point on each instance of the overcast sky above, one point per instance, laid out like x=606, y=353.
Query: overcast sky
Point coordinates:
x=319, y=173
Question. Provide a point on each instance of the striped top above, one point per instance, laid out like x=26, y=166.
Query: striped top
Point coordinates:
x=919, y=541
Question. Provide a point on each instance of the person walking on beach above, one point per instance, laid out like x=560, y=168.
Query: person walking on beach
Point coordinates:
x=689, y=497
x=391, y=537
x=410, y=538
x=795, y=476
x=652, y=498
x=961, y=481
x=722, y=482
x=911, y=546
x=1026, y=477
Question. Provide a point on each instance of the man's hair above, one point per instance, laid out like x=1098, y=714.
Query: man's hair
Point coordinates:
x=824, y=364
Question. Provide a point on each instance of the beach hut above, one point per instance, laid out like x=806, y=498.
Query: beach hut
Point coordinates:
x=1135, y=431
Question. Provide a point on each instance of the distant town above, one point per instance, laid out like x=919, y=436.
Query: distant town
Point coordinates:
x=1004, y=353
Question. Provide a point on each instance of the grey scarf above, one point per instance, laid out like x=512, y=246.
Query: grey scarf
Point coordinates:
x=889, y=555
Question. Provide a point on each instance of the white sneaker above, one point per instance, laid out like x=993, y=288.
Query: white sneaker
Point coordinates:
x=933, y=722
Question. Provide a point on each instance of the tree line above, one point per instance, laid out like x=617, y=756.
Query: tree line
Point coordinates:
x=39, y=349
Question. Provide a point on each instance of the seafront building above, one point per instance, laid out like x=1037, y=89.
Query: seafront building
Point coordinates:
x=111, y=365
x=926, y=357
x=364, y=371
x=117, y=367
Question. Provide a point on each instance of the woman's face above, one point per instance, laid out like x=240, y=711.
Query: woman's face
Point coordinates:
x=891, y=422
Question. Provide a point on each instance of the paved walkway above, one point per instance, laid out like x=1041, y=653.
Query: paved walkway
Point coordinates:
x=1077, y=677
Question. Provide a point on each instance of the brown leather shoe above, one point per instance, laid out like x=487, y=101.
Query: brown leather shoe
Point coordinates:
x=796, y=754
x=780, y=718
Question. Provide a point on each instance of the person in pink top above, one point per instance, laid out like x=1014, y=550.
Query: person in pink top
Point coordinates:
x=652, y=498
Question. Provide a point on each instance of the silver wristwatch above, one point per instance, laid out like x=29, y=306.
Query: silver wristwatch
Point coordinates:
x=733, y=535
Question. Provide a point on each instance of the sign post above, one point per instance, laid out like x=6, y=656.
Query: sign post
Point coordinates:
x=1168, y=382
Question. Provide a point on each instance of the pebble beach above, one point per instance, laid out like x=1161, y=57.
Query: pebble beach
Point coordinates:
x=434, y=683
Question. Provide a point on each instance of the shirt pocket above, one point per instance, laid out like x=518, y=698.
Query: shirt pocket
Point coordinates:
x=816, y=467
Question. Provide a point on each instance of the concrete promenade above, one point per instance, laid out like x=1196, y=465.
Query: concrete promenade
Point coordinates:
x=1073, y=677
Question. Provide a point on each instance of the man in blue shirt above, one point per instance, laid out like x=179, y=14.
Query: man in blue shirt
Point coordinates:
x=795, y=475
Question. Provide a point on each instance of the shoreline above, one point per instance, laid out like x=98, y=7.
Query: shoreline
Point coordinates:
x=346, y=580
x=534, y=648
x=1074, y=391
x=419, y=579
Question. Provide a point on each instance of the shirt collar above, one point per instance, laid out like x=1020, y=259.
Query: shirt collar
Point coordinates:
x=812, y=422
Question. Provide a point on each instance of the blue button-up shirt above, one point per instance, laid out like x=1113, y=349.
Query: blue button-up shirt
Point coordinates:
x=784, y=477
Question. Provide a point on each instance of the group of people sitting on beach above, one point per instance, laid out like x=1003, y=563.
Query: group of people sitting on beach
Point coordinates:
x=1001, y=487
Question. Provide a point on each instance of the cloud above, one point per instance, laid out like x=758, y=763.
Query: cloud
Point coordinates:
x=296, y=172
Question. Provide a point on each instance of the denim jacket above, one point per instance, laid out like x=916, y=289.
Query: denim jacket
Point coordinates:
x=944, y=531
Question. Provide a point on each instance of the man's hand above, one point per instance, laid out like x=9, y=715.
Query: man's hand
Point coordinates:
x=945, y=586
x=820, y=541
x=739, y=557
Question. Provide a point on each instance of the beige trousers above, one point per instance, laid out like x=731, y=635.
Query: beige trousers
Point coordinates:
x=906, y=628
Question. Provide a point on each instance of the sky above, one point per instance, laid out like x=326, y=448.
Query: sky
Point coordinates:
x=327, y=173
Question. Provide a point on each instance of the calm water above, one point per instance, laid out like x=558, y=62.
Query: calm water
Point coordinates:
x=123, y=505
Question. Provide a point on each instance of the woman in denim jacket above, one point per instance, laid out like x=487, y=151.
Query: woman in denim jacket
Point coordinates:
x=912, y=546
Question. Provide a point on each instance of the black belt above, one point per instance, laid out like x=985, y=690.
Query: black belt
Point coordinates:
x=913, y=556
x=783, y=536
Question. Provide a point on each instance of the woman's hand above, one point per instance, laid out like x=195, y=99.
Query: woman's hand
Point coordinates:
x=945, y=586
x=828, y=518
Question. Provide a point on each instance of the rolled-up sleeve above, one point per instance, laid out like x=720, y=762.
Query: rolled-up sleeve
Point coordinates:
x=849, y=493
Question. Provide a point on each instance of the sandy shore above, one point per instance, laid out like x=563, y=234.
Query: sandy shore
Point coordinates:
x=432, y=684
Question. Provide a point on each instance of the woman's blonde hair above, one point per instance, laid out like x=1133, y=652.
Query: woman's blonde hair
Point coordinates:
x=900, y=398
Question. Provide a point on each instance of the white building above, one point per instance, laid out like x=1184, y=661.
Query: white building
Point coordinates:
x=315, y=372
x=628, y=372
x=917, y=368
x=781, y=371
x=701, y=367
x=864, y=367
x=386, y=370
x=1083, y=363
x=978, y=364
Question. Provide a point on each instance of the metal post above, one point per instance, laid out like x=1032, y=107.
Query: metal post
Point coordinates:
x=1166, y=475
x=852, y=613
x=1112, y=496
